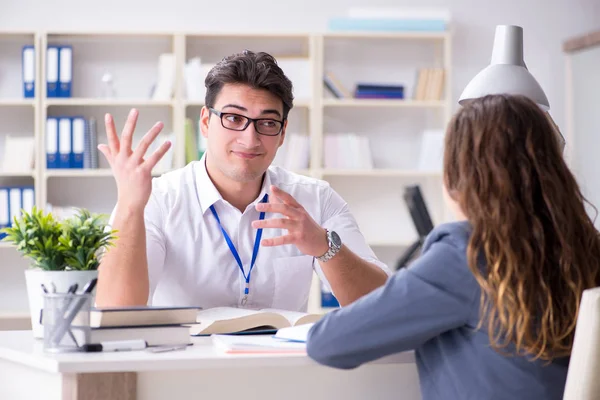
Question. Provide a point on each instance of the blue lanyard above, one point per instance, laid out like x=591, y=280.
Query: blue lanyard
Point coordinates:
x=234, y=251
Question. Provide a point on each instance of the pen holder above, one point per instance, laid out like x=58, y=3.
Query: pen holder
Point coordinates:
x=66, y=321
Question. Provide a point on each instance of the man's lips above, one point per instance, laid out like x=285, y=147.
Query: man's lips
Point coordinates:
x=245, y=155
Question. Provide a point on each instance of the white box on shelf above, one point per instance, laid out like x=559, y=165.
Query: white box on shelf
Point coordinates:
x=19, y=154
x=431, y=156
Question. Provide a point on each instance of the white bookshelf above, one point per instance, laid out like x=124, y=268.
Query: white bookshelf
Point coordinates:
x=393, y=126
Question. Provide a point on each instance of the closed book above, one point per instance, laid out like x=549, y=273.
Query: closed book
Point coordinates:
x=142, y=316
x=153, y=335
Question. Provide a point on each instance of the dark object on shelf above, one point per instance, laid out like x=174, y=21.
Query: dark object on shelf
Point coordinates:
x=421, y=220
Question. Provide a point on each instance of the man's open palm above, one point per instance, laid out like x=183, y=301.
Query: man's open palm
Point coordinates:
x=133, y=173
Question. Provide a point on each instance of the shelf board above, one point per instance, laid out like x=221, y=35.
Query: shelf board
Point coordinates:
x=382, y=103
x=82, y=101
x=78, y=173
x=387, y=35
x=9, y=174
x=17, y=102
x=85, y=173
x=392, y=173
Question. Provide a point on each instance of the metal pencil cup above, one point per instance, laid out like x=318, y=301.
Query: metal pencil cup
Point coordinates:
x=66, y=320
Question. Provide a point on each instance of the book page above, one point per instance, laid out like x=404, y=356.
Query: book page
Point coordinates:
x=294, y=333
x=256, y=345
x=230, y=320
x=294, y=317
x=223, y=313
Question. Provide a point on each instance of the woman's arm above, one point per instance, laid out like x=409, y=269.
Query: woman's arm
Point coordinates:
x=435, y=294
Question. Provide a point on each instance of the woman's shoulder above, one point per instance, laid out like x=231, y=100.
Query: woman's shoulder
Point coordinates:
x=455, y=234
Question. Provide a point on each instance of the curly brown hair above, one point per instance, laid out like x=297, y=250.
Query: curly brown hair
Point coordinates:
x=533, y=248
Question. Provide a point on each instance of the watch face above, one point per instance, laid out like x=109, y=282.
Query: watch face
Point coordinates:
x=336, y=239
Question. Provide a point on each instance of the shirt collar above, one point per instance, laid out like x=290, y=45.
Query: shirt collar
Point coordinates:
x=208, y=193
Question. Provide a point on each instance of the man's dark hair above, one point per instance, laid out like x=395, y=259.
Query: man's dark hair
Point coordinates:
x=257, y=70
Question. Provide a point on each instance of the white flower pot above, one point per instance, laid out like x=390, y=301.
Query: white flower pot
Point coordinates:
x=34, y=278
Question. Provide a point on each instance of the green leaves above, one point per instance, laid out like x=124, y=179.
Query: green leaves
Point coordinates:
x=84, y=236
x=73, y=244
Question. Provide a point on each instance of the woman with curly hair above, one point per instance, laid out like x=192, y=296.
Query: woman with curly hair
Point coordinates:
x=491, y=304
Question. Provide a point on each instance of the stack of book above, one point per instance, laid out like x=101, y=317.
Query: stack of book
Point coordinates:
x=378, y=91
x=158, y=326
x=362, y=90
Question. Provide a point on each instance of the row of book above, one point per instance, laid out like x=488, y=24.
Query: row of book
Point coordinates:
x=71, y=142
x=429, y=85
x=59, y=71
x=59, y=74
x=13, y=199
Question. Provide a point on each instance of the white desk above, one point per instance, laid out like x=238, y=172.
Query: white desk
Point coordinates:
x=200, y=371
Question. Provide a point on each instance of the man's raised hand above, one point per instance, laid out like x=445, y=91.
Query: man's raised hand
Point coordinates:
x=133, y=173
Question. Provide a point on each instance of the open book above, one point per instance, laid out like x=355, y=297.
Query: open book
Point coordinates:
x=235, y=320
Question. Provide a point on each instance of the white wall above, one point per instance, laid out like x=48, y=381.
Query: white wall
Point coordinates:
x=585, y=66
x=546, y=23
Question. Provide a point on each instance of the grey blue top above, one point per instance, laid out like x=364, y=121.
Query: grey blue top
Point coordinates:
x=433, y=307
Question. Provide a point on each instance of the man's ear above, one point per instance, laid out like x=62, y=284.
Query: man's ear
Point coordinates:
x=204, y=119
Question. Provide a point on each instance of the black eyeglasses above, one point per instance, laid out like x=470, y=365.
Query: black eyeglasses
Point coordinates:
x=237, y=122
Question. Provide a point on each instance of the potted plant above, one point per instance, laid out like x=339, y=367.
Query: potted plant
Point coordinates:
x=62, y=253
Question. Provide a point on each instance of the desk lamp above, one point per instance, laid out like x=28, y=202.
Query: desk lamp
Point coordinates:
x=507, y=72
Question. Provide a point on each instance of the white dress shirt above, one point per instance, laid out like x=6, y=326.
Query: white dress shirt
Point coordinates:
x=190, y=263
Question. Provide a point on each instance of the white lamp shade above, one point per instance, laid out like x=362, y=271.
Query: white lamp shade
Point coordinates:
x=507, y=72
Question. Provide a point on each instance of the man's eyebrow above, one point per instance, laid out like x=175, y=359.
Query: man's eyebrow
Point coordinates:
x=263, y=112
x=235, y=106
x=271, y=111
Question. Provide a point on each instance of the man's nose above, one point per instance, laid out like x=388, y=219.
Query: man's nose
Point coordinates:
x=249, y=137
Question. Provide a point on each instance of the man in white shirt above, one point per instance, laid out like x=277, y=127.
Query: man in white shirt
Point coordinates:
x=230, y=229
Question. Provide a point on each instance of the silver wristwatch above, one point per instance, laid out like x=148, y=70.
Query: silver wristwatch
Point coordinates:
x=335, y=244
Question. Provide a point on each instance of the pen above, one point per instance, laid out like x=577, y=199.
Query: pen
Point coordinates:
x=164, y=349
x=115, y=345
x=61, y=329
x=73, y=288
